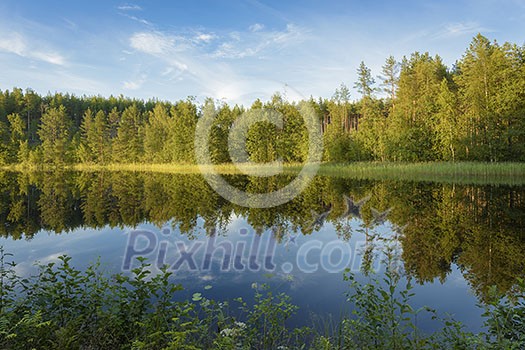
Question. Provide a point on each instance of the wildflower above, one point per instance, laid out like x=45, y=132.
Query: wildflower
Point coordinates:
x=226, y=332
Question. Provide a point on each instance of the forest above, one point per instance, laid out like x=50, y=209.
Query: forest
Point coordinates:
x=416, y=109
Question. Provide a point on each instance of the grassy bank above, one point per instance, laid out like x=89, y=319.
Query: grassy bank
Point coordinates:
x=444, y=172
x=441, y=172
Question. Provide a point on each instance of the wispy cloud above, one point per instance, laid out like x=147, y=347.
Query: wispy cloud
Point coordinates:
x=205, y=37
x=50, y=57
x=199, y=60
x=13, y=43
x=162, y=46
x=256, y=27
x=457, y=29
x=152, y=42
x=137, y=19
x=70, y=24
x=129, y=7
x=17, y=44
x=258, y=41
x=133, y=85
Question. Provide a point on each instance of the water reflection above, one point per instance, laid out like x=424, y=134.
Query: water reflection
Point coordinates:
x=480, y=229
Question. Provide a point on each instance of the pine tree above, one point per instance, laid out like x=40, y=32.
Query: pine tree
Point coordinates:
x=156, y=135
x=5, y=147
x=365, y=81
x=17, y=131
x=85, y=152
x=99, y=140
x=390, y=77
x=219, y=132
x=55, y=135
x=128, y=145
x=182, y=131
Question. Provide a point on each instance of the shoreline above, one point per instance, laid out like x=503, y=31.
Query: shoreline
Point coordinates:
x=511, y=173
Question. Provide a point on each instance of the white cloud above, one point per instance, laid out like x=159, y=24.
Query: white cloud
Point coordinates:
x=202, y=68
x=459, y=29
x=168, y=71
x=173, y=72
x=256, y=27
x=135, y=84
x=205, y=37
x=15, y=43
x=51, y=258
x=292, y=33
x=235, y=36
x=258, y=42
x=70, y=24
x=152, y=43
x=128, y=7
x=131, y=85
x=137, y=19
x=50, y=57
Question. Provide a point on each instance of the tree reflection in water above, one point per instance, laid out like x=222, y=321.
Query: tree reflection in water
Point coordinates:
x=479, y=228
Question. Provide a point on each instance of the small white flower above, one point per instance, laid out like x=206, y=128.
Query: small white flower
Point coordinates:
x=254, y=285
x=240, y=324
x=226, y=332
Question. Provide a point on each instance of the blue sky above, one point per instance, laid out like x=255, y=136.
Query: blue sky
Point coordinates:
x=232, y=50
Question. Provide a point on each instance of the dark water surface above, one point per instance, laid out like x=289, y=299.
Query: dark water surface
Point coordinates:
x=455, y=240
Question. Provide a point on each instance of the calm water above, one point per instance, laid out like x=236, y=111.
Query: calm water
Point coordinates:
x=454, y=240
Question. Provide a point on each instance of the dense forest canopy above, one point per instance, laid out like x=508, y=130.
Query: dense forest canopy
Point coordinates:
x=418, y=110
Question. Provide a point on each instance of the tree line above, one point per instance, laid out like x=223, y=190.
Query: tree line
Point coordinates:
x=417, y=109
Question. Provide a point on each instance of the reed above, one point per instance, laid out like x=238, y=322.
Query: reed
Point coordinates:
x=441, y=172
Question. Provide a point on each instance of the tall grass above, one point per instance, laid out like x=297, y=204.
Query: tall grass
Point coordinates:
x=442, y=172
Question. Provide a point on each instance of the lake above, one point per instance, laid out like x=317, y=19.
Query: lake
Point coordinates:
x=455, y=241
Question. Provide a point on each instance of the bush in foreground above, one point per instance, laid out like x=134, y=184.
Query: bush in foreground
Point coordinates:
x=65, y=308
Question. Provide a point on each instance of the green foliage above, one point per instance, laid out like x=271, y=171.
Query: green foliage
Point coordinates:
x=389, y=77
x=55, y=134
x=128, y=145
x=266, y=320
x=365, y=81
x=383, y=317
x=340, y=145
x=17, y=138
x=411, y=127
x=181, y=142
x=157, y=134
x=449, y=129
x=505, y=317
x=63, y=307
x=261, y=142
x=490, y=85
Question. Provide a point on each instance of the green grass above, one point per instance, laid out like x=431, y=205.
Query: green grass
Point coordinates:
x=441, y=172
